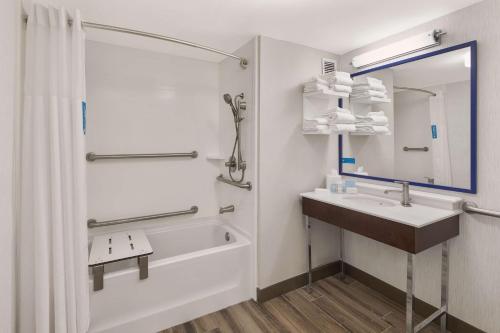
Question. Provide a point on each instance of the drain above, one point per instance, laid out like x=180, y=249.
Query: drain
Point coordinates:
x=228, y=237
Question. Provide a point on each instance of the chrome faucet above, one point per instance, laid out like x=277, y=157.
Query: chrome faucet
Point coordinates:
x=227, y=209
x=405, y=192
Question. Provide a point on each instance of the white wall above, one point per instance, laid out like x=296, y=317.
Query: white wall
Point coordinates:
x=9, y=25
x=474, y=264
x=146, y=102
x=289, y=163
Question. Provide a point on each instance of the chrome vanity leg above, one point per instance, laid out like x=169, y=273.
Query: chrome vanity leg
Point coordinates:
x=341, y=241
x=309, y=259
x=409, y=294
x=444, y=285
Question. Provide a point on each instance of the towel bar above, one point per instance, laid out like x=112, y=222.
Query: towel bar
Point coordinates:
x=91, y=157
x=416, y=149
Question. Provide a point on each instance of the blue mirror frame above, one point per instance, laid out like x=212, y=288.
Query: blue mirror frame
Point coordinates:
x=473, y=119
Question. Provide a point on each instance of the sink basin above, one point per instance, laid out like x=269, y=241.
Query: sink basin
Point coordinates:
x=370, y=201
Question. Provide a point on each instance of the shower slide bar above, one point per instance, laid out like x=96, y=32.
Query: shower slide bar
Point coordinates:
x=247, y=185
x=416, y=148
x=470, y=207
x=91, y=157
x=92, y=223
x=93, y=25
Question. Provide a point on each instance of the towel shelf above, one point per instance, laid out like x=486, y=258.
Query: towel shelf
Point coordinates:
x=92, y=223
x=91, y=157
x=416, y=148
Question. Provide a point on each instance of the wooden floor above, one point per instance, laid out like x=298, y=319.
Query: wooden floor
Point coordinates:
x=332, y=306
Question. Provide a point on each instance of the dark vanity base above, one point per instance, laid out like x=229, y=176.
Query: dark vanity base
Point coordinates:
x=401, y=236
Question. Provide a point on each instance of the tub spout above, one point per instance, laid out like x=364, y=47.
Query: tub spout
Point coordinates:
x=227, y=209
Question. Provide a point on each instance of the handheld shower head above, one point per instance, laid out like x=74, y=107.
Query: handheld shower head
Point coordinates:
x=228, y=99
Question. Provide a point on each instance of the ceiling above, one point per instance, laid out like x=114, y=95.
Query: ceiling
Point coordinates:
x=337, y=26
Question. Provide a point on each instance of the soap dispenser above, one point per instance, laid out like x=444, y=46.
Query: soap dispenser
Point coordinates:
x=334, y=181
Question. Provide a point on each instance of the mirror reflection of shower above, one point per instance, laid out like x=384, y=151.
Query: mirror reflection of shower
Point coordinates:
x=235, y=162
x=416, y=89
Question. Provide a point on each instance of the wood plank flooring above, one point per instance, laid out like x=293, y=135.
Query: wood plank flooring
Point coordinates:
x=332, y=306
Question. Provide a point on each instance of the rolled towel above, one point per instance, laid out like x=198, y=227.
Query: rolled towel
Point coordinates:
x=341, y=88
x=343, y=127
x=342, y=118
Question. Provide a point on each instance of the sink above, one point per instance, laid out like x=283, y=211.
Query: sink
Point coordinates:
x=370, y=201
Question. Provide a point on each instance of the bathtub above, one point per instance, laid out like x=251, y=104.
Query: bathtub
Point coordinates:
x=195, y=269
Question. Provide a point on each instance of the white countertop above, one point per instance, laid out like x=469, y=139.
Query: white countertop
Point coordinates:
x=416, y=216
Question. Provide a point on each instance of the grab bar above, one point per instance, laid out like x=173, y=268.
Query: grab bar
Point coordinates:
x=92, y=223
x=470, y=207
x=247, y=185
x=91, y=157
x=416, y=148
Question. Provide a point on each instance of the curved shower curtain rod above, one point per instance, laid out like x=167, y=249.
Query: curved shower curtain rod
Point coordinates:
x=416, y=89
x=93, y=25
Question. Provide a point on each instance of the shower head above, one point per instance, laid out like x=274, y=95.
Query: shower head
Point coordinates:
x=229, y=100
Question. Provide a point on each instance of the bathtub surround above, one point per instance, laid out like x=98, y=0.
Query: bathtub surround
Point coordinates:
x=53, y=278
x=140, y=102
x=474, y=289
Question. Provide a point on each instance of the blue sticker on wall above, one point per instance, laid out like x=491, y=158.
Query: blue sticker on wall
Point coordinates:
x=434, y=131
x=348, y=160
x=84, y=116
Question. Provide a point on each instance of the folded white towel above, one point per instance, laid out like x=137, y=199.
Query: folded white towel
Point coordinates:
x=317, y=121
x=315, y=128
x=368, y=93
x=341, y=88
x=342, y=118
x=372, y=120
x=381, y=129
x=379, y=87
x=376, y=113
x=342, y=78
x=317, y=79
x=367, y=80
x=343, y=127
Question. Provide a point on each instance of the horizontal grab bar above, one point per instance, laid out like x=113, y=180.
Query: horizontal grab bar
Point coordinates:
x=91, y=157
x=416, y=149
x=470, y=207
x=247, y=185
x=92, y=223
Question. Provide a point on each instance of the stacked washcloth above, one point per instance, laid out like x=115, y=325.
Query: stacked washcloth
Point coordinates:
x=367, y=87
x=372, y=123
x=339, y=81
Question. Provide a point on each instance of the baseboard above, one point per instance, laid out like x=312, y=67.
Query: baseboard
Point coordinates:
x=296, y=282
x=424, y=309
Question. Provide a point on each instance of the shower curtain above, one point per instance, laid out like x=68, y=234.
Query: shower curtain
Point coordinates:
x=53, y=273
x=441, y=163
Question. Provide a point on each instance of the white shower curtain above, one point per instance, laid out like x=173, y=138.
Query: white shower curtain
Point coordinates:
x=53, y=275
x=441, y=163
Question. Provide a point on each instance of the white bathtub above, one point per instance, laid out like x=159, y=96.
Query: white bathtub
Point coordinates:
x=194, y=270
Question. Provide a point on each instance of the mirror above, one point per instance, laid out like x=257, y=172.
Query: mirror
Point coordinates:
x=415, y=121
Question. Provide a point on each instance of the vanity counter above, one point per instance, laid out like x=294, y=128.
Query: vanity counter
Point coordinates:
x=417, y=215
